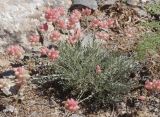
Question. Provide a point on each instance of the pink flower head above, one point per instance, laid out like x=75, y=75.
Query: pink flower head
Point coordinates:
x=61, y=24
x=95, y=23
x=86, y=12
x=110, y=22
x=44, y=51
x=43, y=27
x=148, y=85
x=70, y=25
x=76, y=13
x=103, y=24
x=77, y=33
x=74, y=38
x=69, y=2
x=142, y=98
x=3, y=83
x=71, y=105
x=53, y=15
x=15, y=50
x=61, y=10
x=156, y=85
x=74, y=17
x=34, y=39
x=19, y=71
x=102, y=35
x=98, y=69
x=55, y=35
x=53, y=54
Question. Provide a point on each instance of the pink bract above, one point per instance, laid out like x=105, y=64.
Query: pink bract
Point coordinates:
x=53, y=54
x=95, y=23
x=43, y=27
x=34, y=39
x=102, y=35
x=98, y=69
x=71, y=105
x=44, y=51
x=142, y=98
x=74, y=37
x=52, y=15
x=19, y=71
x=55, y=35
x=61, y=24
x=86, y=12
x=15, y=50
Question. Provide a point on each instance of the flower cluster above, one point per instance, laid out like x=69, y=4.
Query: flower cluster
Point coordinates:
x=61, y=24
x=73, y=19
x=74, y=37
x=21, y=75
x=142, y=98
x=95, y=23
x=33, y=39
x=86, y=12
x=55, y=35
x=98, y=69
x=43, y=27
x=15, y=50
x=71, y=105
x=152, y=86
x=44, y=51
x=52, y=15
x=102, y=35
x=53, y=54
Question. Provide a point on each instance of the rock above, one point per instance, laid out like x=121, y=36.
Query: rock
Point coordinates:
x=133, y=2
x=21, y=16
x=87, y=40
x=77, y=115
x=92, y=4
x=110, y=2
x=8, y=73
x=34, y=114
x=65, y=3
x=106, y=2
x=11, y=109
x=141, y=12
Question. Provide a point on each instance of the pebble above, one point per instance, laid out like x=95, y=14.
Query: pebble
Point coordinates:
x=77, y=115
x=92, y=4
x=133, y=2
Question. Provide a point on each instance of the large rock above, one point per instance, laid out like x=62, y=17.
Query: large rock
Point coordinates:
x=20, y=16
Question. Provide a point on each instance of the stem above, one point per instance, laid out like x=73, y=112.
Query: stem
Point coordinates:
x=86, y=98
x=79, y=96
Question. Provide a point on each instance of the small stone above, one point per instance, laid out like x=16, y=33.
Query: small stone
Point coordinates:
x=34, y=114
x=87, y=40
x=11, y=109
x=141, y=12
x=92, y=4
x=76, y=115
x=104, y=4
x=6, y=91
x=110, y=2
x=133, y=2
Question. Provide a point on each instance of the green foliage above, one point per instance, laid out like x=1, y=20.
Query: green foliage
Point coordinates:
x=151, y=40
x=76, y=68
x=153, y=8
x=153, y=25
x=150, y=43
